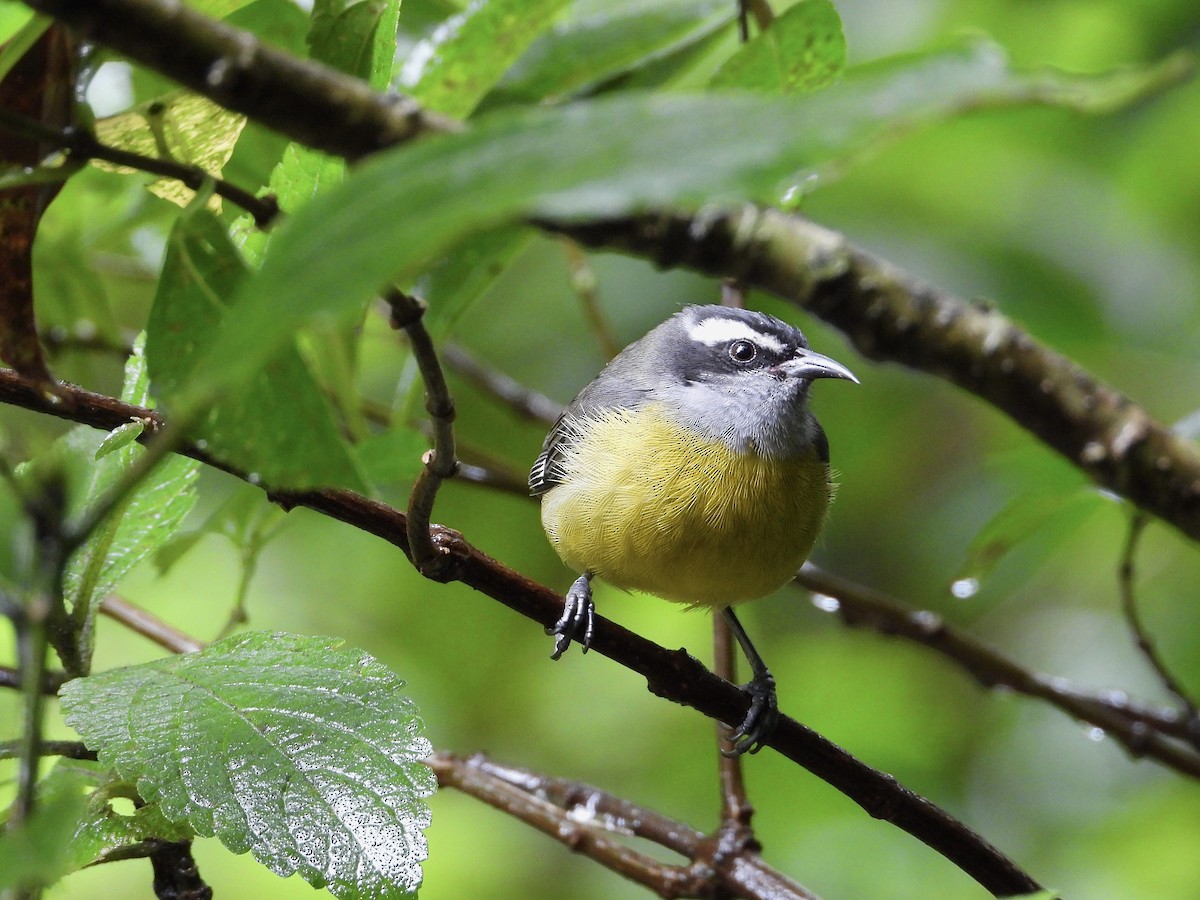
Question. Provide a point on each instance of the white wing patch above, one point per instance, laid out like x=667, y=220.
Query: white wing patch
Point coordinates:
x=719, y=330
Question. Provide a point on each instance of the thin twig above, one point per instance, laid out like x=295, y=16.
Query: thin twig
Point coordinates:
x=582, y=817
x=149, y=626
x=1141, y=732
x=441, y=462
x=526, y=403
x=66, y=749
x=1142, y=639
x=81, y=145
x=585, y=285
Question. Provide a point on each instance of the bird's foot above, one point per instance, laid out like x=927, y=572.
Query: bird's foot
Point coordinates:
x=761, y=718
x=578, y=620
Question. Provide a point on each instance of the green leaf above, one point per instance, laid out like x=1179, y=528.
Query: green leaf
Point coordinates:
x=102, y=831
x=462, y=276
x=141, y=524
x=284, y=745
x=1027, y=516
x=36, y=853
x=601, y=39
x=681, y=152
x=392, y=459
x=120, y=437
x=180, y=126
x=278, y=428
x=357, y=37
x=802, y=50
x=462, y=60
x=246, y=518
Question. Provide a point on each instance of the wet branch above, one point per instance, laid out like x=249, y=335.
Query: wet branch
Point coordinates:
x=890, y=315
x=1143, y=732
x=582, y=817
x=671, y=674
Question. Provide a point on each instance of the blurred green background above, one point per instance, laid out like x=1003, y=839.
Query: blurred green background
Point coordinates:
x=1084, y=229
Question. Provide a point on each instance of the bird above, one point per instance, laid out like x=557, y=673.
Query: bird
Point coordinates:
x=692, y=469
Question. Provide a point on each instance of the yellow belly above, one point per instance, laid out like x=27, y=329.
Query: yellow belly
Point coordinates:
x=686, y=520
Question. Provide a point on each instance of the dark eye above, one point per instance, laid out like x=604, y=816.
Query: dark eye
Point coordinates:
x=742, y=351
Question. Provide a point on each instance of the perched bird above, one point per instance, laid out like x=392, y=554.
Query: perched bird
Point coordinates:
x=691, y=468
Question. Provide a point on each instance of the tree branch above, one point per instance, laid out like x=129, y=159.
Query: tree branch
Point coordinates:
x=1142, y=732
x=892, y=316
x=304, y=100
x=671, y=674
x=888, y=314
x=581, y=817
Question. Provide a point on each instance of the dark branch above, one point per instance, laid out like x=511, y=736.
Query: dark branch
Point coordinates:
x=304, y=100
x=891, y=316
x=82, y=145
x=1141, y=731
x=582, y=817
x=671, y=674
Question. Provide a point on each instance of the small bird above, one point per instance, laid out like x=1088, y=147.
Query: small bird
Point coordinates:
x=691, y=468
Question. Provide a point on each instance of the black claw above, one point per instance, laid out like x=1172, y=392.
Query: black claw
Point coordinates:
x=578, y=621
x=761, y=718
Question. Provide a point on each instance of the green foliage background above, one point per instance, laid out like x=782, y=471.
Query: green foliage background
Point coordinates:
x=1082, y=228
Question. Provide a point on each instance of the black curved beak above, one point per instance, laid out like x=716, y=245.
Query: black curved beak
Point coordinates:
x=809, y=364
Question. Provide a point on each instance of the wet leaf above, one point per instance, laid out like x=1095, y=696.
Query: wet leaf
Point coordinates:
x=802, y=50
x=101, y=830
x=303, y=753
x=1027, y=517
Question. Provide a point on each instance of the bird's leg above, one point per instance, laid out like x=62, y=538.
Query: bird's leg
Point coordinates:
x=578, y=619
x=763, y=714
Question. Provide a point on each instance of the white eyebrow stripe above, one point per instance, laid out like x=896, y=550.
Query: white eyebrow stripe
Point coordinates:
x=717, y=330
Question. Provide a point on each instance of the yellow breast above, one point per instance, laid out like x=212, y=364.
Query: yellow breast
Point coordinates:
x=646, y=505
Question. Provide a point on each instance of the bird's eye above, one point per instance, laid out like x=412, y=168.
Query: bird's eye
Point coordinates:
x=742, y=351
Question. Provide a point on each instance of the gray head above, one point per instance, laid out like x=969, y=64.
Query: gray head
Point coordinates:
x=733, y=374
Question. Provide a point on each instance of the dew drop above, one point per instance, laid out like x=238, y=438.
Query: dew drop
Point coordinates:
x=1095, y=733
x=965, y=588
x=254, y=478
x=825, y=603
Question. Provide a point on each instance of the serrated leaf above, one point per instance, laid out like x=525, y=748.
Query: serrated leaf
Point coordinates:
x=452, y=69
x=681, y=152
x=278, y=428
x=101, y=830
x=137, y=527
x=601, y=39
x=305, y=754
x=802, y=50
